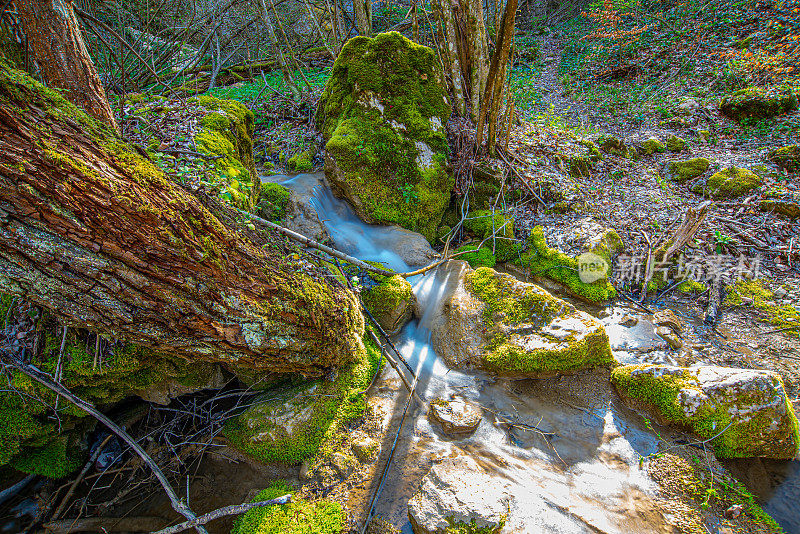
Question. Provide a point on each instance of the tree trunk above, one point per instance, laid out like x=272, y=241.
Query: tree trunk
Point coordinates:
x=56, y=44
x=97, y=234
x=363, y=9
x=466, y=52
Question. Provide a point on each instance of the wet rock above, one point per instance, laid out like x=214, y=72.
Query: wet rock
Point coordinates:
x=383, y=116
x=205, y=376
x=729, y=183
x=412, y=247
x=391, y=303
x=746, y=412
x=670, y=337
x=494, y=322
x=456, y=495
x=669, y=319
x=456, y=416
x=300, y=213
x=629, y=320
x=756, y=102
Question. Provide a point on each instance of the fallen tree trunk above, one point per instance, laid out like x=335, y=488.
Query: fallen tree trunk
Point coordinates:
x=97, y=234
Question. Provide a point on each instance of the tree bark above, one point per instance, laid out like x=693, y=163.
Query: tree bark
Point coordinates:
x=56, y=44
x=363, y=9
x=97, y=234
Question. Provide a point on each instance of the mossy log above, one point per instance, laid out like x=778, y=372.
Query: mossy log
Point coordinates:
x=94, y=232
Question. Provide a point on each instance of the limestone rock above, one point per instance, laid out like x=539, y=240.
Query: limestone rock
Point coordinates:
x=755, y=102
x=207, y=376
x=689, y=106
x=650, y=146
x=675, y=143
x=747, y=410
x=391, y=303
x=456, y=416
x=669, y=319
x=493, y=322
x=613, y=145
x=365, y=448
x=382, y=115
x=669, y=336
x=456, y=494
x=730, y=183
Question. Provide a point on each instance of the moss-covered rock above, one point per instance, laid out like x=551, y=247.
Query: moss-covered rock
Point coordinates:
x=493, y=322
x=787, y=157
x=729, y=183
x=487, y=178
x=485, y=225
x=477, y=257
x=300, y=516
x=226, y=131
x=675, y=143
x=755, y=102
x=273, y=201
x=391, y=303
x=783, y=316
x=651, y=146
x=747, y=412
x=294, y=422
x=301, y=162
x=382, y=115
x=539, y=260
x=613, y=145
x=684, y=170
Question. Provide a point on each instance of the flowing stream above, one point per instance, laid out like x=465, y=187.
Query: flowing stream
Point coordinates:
x=584, y=477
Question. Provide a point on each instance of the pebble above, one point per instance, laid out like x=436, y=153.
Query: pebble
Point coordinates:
x=780, y=293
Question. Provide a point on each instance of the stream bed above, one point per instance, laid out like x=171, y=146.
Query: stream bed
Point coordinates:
x=578, y=471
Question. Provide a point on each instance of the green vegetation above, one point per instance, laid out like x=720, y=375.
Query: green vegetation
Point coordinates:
x=273, y=201
x=331, y=404
x=755, y=102
x=651, y=146
x=457, y=527
x=482, y=257
x=544, y=261
x=378, y=160
x=676, y=144
x=660, y=389
x=729, y=183
x=298, y=517
x=682, y=171
x=787, y=157
x=484, y=225
x=513, y=303
x=762, y=299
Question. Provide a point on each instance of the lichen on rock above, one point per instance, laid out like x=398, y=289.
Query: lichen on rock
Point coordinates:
x=493, y=322
x=382, y=115
x=746, y=412
x=755, y=102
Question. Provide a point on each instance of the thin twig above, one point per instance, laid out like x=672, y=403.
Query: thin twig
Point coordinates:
x=234, y=509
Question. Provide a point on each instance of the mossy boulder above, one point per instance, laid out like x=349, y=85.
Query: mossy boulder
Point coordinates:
x=497, y=230
x=382, y=115
x=477, y=257
x=651, y=146
x=391, y=303
x=293, y=422
x=273, y=201
x=541, y=261
x=787, y=158
x=729, y=183
x=487, y=179
x=675, y=143
x=493, y=322
x=788, y=208
x=613, y=145
x=300, y=516
x=226, y=131
x=301, y=162
x=746, y=411
x=755, y=102
x=684, y=170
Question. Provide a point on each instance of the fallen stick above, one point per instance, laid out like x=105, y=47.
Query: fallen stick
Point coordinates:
x=234, y=509
x=16, y=488
x=395, y=366
x=92, y=459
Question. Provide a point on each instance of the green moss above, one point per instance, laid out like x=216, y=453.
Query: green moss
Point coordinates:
x=502, y=302
x=780, y=315
x=388, y=295
x=333, y=404
x=484, y=225
x=613, y=145
x=273, y=201
x=652, y=146
x=730, y=183
x=755, y=102
x=54, y=460
x=692, y=286
x=544, y=261
x=787, y=157
x=376, y=160
x=681, y=171
x=482, y=257
x=457, y=527
x=662, y=391
x=578, y=166
x=298, y=517
x=675, y=143
x=301, y=162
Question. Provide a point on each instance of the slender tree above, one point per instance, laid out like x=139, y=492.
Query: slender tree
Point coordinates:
x=363, y=10
x=57, y=46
